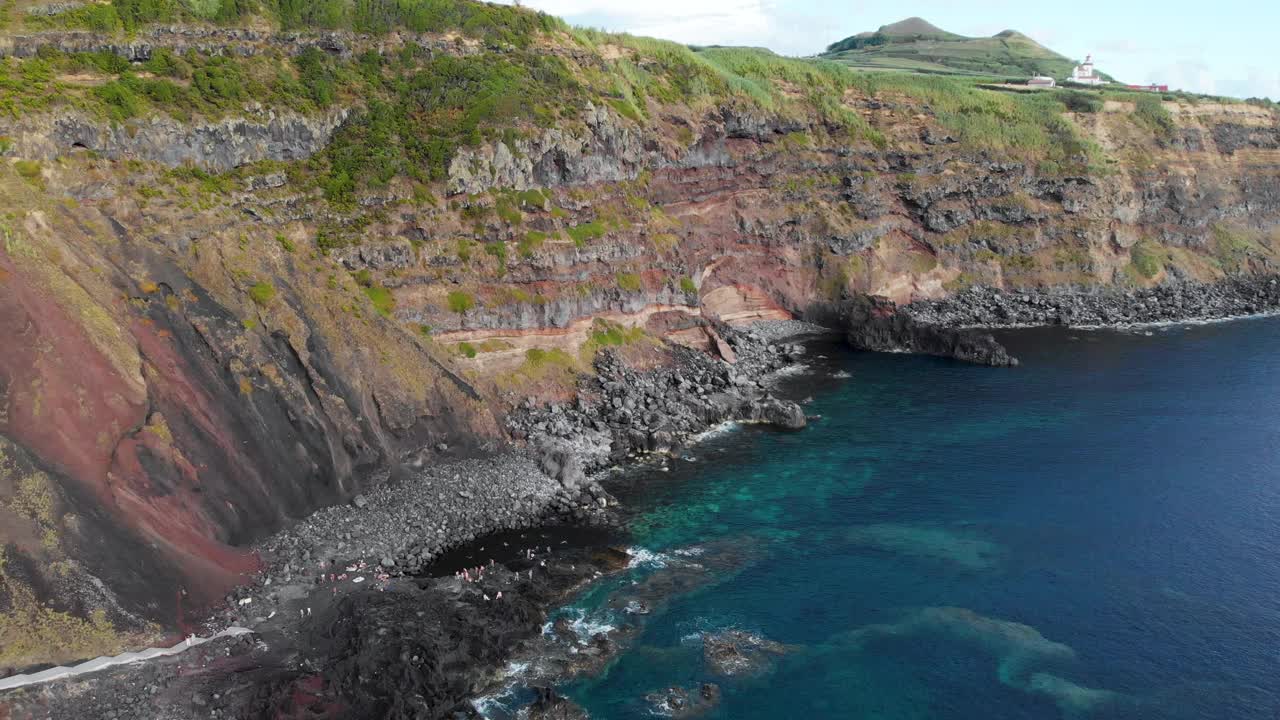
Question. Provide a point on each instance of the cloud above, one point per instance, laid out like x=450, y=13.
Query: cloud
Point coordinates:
x=1262, y=83
x=1193, y=75
x=798, y=28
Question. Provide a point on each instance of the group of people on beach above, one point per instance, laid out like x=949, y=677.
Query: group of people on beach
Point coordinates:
x=477, y=573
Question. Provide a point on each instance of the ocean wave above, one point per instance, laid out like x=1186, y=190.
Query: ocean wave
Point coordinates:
x=642, y=558
x=497, y=706
x=723, y=428
x=662, y=708
x=507, y=702
x=583, y=626
x=693, y=638
x=587, y=628
x=793, y=369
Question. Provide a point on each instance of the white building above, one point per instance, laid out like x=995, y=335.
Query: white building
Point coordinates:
x=1084, y=74
x=1041, y=81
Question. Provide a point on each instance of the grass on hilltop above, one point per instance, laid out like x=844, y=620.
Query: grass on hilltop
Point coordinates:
x=916, y=46
x=1028, y=125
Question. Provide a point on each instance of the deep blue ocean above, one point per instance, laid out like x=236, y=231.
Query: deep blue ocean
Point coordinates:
x=1095, y=534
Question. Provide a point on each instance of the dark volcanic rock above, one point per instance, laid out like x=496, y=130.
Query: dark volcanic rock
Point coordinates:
x=1231, y=137
x=881, y=327
x=736, y=653
x=417, y=650
x=624, y=411
x=678, y=702
x=552, y=706
x=1171, y=302
x=780, y=413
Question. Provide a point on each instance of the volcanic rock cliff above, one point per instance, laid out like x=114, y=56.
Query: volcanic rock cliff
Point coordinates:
x=206, y=343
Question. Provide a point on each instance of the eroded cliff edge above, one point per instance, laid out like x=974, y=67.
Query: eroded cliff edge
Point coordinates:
x=215, y=329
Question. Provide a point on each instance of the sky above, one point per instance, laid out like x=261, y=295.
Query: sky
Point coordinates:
x=1221, y=47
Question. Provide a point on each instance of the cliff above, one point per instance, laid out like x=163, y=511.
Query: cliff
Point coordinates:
x=246, y=268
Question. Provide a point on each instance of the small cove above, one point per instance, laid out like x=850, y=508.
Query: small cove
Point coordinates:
x=1091, y=535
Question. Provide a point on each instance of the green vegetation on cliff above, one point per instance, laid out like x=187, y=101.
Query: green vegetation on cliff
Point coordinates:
x=422, y=108
x=492, y=23
x=416, y=109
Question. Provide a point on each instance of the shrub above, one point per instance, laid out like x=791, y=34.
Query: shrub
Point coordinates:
x=460, y=301
x=536, y=358
x=530, y=243
x=262, y=293
x=531, y=199
x=1232, y=247
x=464, y=249
x=1080, y=102
x=164, y=63
x=29, y=169
x=210, y=184
x=609, y=337
x=508, y=212
x=499, y=251
x=687, y=285
x=426, y=112
x=1148, y=259
x=466, y=350
x=327, y=240
x=1150, y=111
x=629, y=282
x=582, y=234
x=315, y=71
x=383, y=301
x=363, y=277
x=286, y=243
x=627, y=110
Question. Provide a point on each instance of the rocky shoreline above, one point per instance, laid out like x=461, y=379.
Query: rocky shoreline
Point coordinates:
x=957, y=327
x=1172, y=302
x=352, y=573
x=879, y=326
x=621, y=412
x=364, y=568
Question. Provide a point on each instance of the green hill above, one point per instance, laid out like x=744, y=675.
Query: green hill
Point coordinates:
x=916, y=45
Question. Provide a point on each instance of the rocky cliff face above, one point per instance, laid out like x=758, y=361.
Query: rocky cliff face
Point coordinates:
x=196, y=362
x=215, y=146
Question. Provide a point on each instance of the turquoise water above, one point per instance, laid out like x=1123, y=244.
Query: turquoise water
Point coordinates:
x=1093, y=535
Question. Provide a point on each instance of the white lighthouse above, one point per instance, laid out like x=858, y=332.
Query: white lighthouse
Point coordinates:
x=1084, y=73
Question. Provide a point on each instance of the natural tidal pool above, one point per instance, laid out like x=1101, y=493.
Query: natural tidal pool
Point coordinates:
x=1095, y=534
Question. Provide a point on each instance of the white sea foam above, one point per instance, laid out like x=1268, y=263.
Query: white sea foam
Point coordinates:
x=588, y=627
x=515, y=669
x=789, y=370
x=642, y=558
x=492, y=707
x=661, y=709
x=503, y=704
x=723, y=428
x=583, y=626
